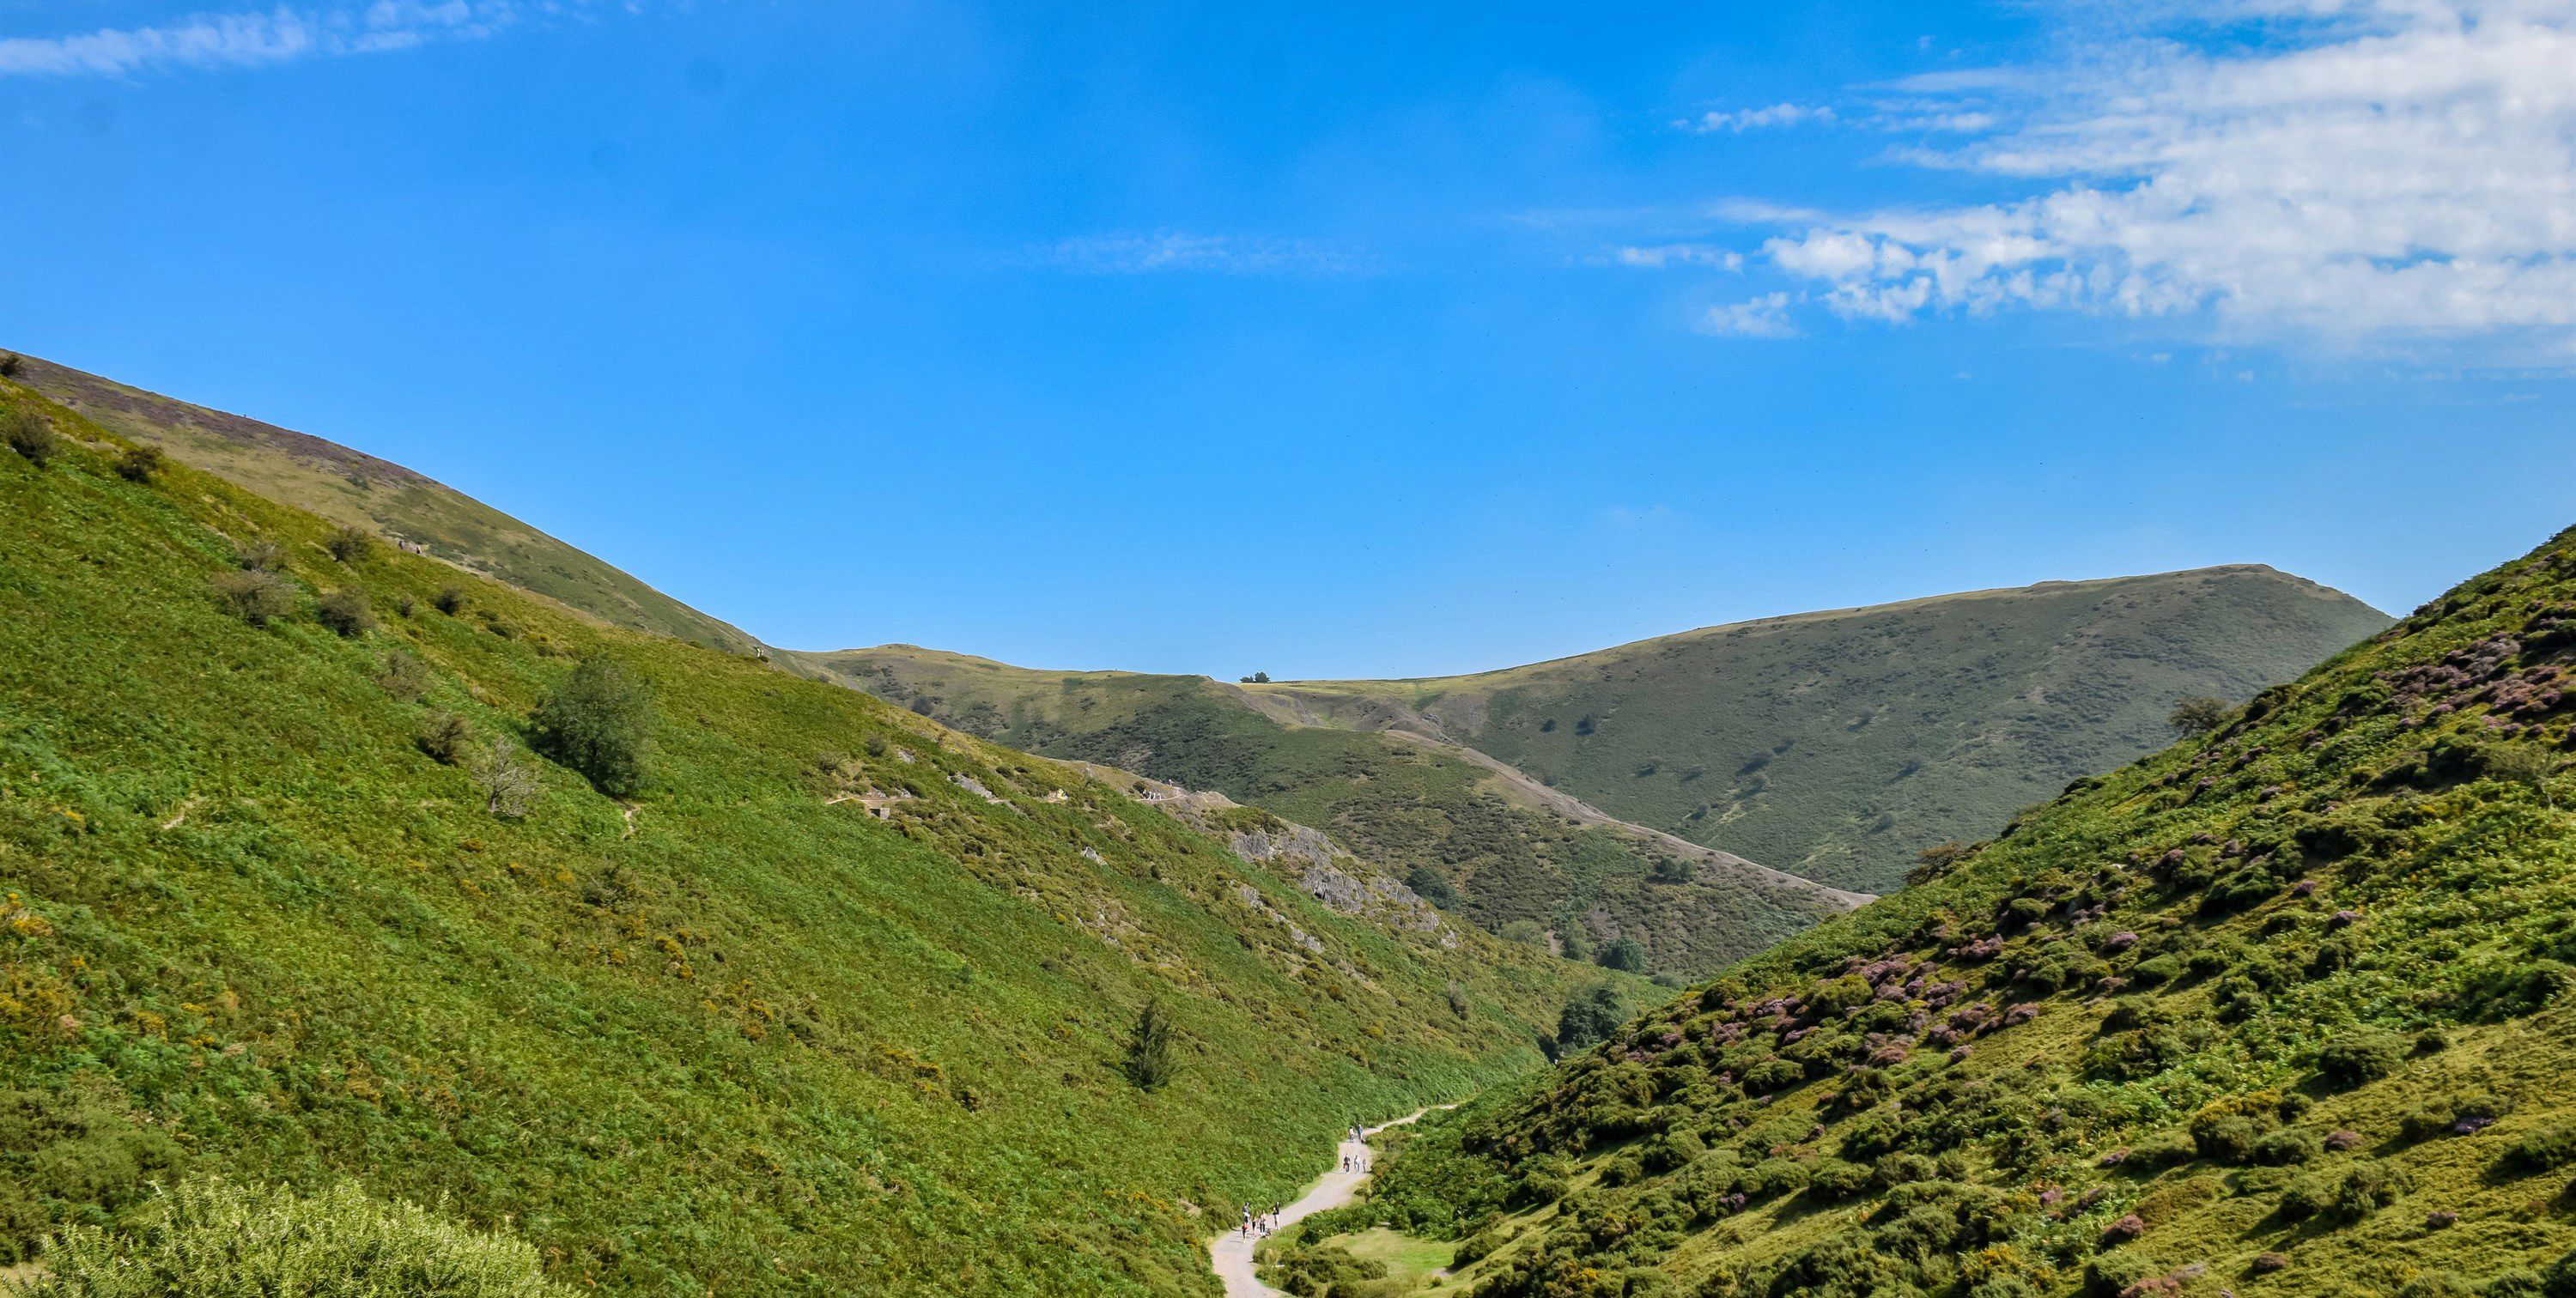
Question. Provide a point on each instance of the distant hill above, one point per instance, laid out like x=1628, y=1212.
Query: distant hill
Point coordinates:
x=1508, y=850
x=1837, y=745
x=2286, y=1008
x=352, y=487
x=840, y=1001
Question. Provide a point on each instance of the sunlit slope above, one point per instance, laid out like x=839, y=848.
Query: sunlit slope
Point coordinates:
x=2281, y=1010
x=347, y=486
x=1405, y=804
x=731, y=1034
x=1837, y=745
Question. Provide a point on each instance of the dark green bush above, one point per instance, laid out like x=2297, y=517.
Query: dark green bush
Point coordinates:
x=1626, y=954
x=599, y=722
x=139, y=463
x=2287, y=1148
x=2543, y=1149
x=346, y=612
x=2362, y=1055
x=1592, y=1016
x=30, y=435
x=1833, y=1180
x=349, y=544
x=254, y=595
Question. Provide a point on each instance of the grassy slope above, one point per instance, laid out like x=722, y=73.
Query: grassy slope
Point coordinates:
x=1399, y=805
x=1836, y=745
x=2357, y=859
x=347, y=486
x=749, y=1042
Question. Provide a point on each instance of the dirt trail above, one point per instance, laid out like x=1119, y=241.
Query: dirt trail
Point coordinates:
x=1231, y=1253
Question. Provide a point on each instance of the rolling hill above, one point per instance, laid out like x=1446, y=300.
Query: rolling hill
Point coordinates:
x=831, y=999
x=351, y=487
x=2284, y=1009
x=1837, y=745
x=1442, y=817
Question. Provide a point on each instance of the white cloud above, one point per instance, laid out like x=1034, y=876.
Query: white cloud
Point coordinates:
x=2377, y=169
x=1167, y=250
x=256, y=37
x=1754, y=119
x=1762, y=317
x=1657, y=256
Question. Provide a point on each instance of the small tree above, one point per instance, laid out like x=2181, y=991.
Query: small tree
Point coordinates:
x=1674, y=869
x=403, y=676
x=1591, y=1016
x=255, y=596
x=1431, y=886
x=30, y=435
x=10, y=364
x=346, y=611
x=2199, y=715
x=1153, y=1051
x=140, y=463
x=446, y=737
x=599, y=723
x=1257, y=678
x=349, y=544
x=507, y=780
x=261, y=556
x=1627, y=955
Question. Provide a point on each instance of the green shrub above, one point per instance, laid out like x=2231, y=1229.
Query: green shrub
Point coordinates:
x=2226, y=1139
x=30, y=435
x=450, y=599
x=2287, y=1148
x=1525, y=932
x=1833, y=1180
x=349, y=544
x=260, y=556
x=1153, y=1049
x=213, y=1237
x=2544, y=1149
x=599, y=723
x=2437, y=1284
x=1432, y=886
x=446, y=736
x=2162, y=1150
x=346, y=612
x=140, y=463
x=1590, y=1017
x=403, y=675
x=1626, y=954
x=2362, y=1055
x=2156, y=971
x=255, y=595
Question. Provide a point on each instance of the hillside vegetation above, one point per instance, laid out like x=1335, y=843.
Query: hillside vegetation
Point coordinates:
x=1467, y=837
x=2281, y=1010
x=351, y=487
x=1837, y=745
x=827, y=999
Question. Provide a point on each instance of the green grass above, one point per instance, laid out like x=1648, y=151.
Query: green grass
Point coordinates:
x=1836, y=745
x=2287, y=1010
x=1398, y=805
x=725, y=1036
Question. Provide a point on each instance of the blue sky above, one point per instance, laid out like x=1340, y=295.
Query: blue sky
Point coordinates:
x=1345, y=339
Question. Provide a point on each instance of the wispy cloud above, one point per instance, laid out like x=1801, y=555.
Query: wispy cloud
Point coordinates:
x=250, y=38
x=1659, y=255
x=1762, y=317
x=1171, y=250
x=2384, y=170
x=1750, y=119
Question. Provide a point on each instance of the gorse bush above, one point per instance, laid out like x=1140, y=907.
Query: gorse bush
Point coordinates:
x=30, y=434
x=598, y=722
x=346, y=611
x=211, y=1237
x=255, y=595
x=139, y=463
x=2363, y=1055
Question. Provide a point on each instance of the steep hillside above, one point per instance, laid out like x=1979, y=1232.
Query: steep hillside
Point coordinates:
x=347, y=486
x=836, y=1001
x=1410, y=804
x=2283, y=1010
x=1837, y=745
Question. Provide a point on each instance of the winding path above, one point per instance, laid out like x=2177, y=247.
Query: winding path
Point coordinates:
x=1231, y=1252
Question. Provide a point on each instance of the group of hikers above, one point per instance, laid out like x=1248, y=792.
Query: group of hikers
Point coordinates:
x=1262, y=1223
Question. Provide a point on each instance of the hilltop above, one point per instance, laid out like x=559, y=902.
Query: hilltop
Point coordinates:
x=832, y=997
x=2283, y=1009
x=352, y=487
x=1482, y=842
x=1837, y=745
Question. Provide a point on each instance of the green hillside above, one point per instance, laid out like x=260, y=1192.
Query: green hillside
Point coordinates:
x=1407, y=806
x=730, y=1032
x=347, y=486
x=1837, y=745
x=2281, y=1010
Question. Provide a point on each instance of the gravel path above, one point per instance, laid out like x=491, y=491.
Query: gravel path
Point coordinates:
x=1231, y=1252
